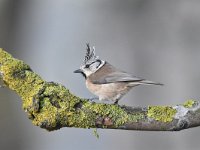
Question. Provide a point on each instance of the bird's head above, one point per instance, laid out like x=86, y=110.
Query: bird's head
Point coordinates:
x=91, y=63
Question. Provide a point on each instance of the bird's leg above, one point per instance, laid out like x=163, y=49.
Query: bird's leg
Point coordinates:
x=92, y=99
x=116, y=101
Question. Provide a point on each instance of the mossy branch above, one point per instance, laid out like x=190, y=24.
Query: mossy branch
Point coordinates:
x=52, y=106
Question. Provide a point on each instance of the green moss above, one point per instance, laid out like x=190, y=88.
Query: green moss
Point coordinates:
x=88, y=114
x=47, y=115
x=56, y=107
x=116, y=114
x=51, y=105
x=82, y=119
x=161, y=113
x=18, y=77
x=189, y=103
x=4, y=56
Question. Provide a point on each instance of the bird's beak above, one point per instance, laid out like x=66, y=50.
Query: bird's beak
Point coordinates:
x=78, y=71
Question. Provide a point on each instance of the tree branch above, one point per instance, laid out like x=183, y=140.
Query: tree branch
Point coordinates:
x=52, y=106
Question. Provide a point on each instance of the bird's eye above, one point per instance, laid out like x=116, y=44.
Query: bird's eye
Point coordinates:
x=87, y=66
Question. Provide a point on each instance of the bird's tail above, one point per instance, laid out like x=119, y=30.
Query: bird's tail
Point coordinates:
x=147, y=82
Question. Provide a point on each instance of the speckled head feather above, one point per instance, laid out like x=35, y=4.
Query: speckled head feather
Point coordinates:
x=90, y=55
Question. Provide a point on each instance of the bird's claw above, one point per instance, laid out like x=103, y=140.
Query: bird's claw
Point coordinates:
x=116, y=102
x=93, y=99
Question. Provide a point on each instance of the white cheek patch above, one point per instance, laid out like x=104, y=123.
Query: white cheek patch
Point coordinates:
x=92, y=69
x=87, y=72
x=101, y=65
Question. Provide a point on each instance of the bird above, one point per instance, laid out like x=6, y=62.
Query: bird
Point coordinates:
x=106, y=81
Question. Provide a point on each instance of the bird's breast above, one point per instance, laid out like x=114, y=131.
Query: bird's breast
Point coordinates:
x=94, y=88
x=111, y=91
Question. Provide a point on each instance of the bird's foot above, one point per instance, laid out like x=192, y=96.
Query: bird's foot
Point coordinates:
x=116, y=102
x=93, y=99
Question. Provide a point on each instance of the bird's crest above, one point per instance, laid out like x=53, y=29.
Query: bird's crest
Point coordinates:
x=90, y=54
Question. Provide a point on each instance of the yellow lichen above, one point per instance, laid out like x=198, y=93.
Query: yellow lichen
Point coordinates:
x=161, y=113
x=4, y=56
x=51, y=105
x=189, y=103
x=19, y=77
x=114, y=112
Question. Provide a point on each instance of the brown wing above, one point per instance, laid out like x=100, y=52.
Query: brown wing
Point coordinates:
x=109, y=74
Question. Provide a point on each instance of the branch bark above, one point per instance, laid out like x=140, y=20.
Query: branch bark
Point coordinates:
x=51, y=106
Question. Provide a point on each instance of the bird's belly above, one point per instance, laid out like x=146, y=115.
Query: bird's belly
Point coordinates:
x=111, y=91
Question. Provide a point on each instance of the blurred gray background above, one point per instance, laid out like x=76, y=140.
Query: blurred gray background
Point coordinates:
x=154, y=39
